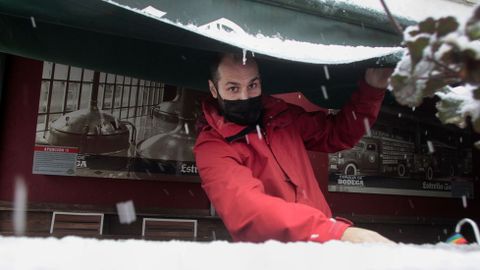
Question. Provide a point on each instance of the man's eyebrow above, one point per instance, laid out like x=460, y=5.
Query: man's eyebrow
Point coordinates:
x=234, y=83
x=237, y=83
x=254, y=79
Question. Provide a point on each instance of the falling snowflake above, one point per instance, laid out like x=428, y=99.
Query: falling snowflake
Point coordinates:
x=324, y=91
x=34, y=24
x=19, y=206
x=244, y=56
x=259, y=133
x=366, y=123
x=327, y=74
x=431, y=149
x=126, y=212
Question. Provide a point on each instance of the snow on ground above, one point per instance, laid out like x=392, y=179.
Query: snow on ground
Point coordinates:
x=80, y=253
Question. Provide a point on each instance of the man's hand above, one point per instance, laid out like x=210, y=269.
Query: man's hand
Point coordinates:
x=378, y=77
x=357, y=235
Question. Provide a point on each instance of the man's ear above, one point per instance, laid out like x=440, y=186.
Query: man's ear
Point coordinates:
x=213, y=89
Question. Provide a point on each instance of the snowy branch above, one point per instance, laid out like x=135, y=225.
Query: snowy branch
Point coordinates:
x=441, y=52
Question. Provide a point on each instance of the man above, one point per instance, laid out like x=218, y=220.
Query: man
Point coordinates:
x=252, y=159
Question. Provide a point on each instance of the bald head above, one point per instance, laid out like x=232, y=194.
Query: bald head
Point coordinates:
x=233, y=79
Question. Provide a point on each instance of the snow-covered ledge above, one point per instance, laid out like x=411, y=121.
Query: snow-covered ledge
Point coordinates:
x=80, y=253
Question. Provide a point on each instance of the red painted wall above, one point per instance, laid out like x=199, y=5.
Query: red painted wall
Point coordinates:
x=18, y=116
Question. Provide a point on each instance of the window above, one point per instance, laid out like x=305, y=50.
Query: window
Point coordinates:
x=371, y=147
x=360, y=145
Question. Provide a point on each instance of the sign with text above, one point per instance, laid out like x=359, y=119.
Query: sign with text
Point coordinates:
x=54, y=160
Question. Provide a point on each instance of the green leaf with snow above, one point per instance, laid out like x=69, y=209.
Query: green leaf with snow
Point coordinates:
x=405, y=90
x=476, y=93
x=439, y=54
x=476, y=124
x=416, y=48
x=446, y=26
x=427, y=26
x=477, y=144
x=448, y=112
x=457, y=104
x=473, y=31
x=471, y=69
x=472, y=28
x=432, y=86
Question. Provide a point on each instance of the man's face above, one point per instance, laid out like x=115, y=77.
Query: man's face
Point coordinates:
x=235, y=80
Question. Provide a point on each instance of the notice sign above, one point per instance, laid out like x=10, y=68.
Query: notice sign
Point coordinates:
x=54, y=160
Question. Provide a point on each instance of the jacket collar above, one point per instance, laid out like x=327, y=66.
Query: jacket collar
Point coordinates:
x=271, y=108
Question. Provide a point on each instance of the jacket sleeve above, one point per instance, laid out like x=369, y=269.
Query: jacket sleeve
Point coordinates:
x=331, y=133
x=246, y=210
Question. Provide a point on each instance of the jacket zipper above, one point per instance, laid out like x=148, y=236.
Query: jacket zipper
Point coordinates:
x=287, y=178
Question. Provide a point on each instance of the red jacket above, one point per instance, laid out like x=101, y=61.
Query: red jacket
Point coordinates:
x=263, y=186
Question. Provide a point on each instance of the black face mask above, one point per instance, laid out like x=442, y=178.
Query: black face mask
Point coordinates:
x=245, y=112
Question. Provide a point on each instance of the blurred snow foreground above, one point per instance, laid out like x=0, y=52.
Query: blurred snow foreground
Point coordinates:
x=81, y=253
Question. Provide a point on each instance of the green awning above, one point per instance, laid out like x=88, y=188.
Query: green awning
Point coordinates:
x=118, y=37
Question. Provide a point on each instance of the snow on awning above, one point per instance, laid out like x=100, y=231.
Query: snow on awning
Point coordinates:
x=334, y=42
x=173, y=41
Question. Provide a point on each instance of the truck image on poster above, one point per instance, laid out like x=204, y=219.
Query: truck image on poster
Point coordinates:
x=374, y=155
x=406, y=153
x=380, y=154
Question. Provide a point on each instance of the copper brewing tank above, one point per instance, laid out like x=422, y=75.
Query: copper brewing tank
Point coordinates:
x=166, y=152
x=168, y=113
x=92, y=130
x=178, y=143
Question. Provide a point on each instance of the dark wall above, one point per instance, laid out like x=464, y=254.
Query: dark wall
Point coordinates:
x=18, y=115
x=3, y=58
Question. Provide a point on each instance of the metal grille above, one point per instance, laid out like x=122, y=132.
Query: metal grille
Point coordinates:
x=65, y=89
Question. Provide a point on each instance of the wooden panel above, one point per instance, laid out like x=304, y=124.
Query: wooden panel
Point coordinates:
x=164, y=229
x=61, y=233
x=78, y=218
x=36, y=223
x=169, y=235
x=79, y=224
x=39, y=220
x=162, y=225
x=76, y=225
